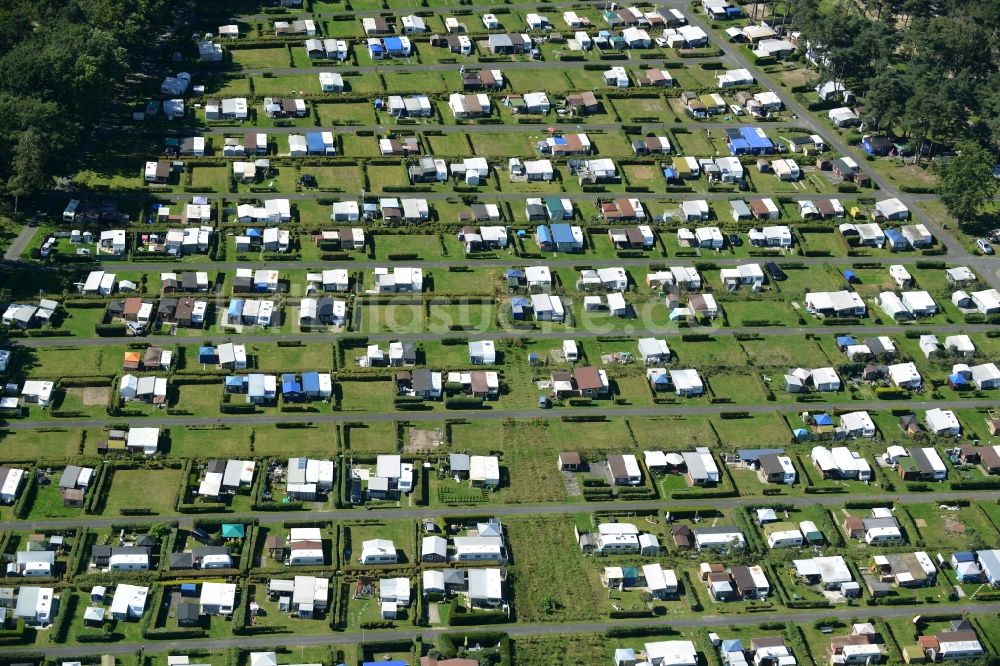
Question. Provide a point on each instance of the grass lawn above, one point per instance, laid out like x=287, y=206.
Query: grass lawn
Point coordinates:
x=425, y=246
x=381, y=176
x=534, y=476
x=345, y=113
x=737, y=387
x=259, y=58
x=747, y=312
x=504, y=144
x=400, y=82
x=312, y=356
x=368, y=396
x=693, y=142
x=136, y=487
x=469, y=316
x=378, y=437
x=216, y=178
x=791, y=353
x=48, y=502
x=227, y=440
x=758, y=430
x=390, y=318
x=358, y=146
x=549, y=577
x=449, y=144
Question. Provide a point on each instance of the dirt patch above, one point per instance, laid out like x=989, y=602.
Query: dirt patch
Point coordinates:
x=952, y=526
x=93, y=395
x=640, y=173
x=422, y=441
x=920, y=522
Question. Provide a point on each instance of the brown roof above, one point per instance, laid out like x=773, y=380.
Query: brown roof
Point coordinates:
x=838, y=643
x=852, y=523
x=479, y=384
x=989, y=457
x=306, y=545
x=584, y=99
x=616, y=464
x=587, y=377
x=185, y=306
x=625, y=207
x=569, y=458
x=697, y=302
x=132, y=306
x=560, y=376
x=757, y=206
x=152, y=356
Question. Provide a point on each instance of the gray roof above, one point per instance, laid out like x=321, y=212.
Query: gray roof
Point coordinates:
x=459, y=462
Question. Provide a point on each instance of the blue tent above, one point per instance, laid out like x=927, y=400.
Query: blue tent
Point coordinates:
x=896, y=239
x=543, y=235
x=823, y=419
x=669, y=173
x=208, y=355
x=254, y=233
x=235, y=383
x=393, y=44
x=850, y=276
x=732, y=645
x=956, y=380
x=800, y=433
x=290, y=387
x=518, y=306
x=562, y=234
x=314, y=143
x=376, y=49
x=235, y=308
x=310, y=383
x=845, y=341
x=188, y=589
x=739, y=147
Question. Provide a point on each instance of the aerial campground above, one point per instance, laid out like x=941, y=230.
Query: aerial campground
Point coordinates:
x=506, y=333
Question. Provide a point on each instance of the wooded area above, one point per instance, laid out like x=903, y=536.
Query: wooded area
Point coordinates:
x=60, y=64
x=925, y=69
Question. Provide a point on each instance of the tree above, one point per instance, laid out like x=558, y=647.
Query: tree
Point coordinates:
x=159, y=531
x=965, y=182
x=29, y=173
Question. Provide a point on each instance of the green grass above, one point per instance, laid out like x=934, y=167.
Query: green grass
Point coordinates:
x=155, y=489
x=376, y=437
x=381, y=177
x=549, y=568
x=48, y=501
x=259, y=58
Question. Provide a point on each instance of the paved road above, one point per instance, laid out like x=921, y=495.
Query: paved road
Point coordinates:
x=769, y=332
x=20, y=242
x=401, y=66
x=561, y=629
x=99, y=522
x=498, y=414
x=980, y=264
x=438, y=9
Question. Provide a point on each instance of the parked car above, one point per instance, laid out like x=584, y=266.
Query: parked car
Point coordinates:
x=735, y=240
x=775, y=271
x=984, y=246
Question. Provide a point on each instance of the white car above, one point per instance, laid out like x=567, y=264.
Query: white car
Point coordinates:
x=661, y=42
x=984, y=246
x=736, y=109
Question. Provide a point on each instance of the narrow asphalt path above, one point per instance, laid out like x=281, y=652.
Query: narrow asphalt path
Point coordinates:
x=561, y=629
x=347, y=416
x=100, y=522
x=16, y=247
x=771, y=332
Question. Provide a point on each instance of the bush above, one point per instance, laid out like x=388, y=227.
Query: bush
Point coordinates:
x=110, y=330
